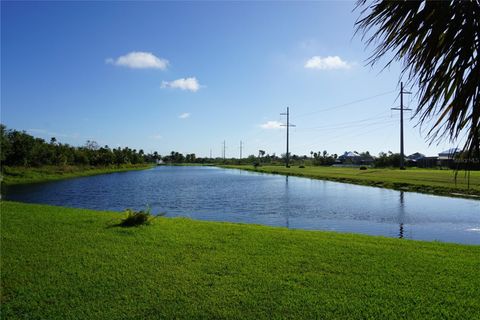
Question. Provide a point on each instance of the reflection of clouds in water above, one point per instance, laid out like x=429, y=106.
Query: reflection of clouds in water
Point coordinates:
x=473, y=229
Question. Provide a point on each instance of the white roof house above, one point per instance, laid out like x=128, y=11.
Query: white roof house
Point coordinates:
x=448, y=154
x=349, y=155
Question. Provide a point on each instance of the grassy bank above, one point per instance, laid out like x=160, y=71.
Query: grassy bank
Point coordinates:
x=431, y=181
x=60, y=263
x=20, y=175
x=189, y=164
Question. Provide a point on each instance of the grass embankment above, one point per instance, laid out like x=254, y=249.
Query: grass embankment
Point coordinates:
x=431, y=181
x=60, y=263
x=21, y=175
x=188, y=164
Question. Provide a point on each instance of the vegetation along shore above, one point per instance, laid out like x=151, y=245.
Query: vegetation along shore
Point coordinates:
x=60, y=263
x=27, y=159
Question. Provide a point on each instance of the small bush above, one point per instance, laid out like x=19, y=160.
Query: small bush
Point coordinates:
x=136, y=218
x=302, y=166
x=256, y=165
x=363, y=168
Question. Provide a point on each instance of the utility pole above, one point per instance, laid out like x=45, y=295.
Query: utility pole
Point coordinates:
x=224, y=150
x=241, y=145
x=210, y=153
x=402, y=155
x=288, y=125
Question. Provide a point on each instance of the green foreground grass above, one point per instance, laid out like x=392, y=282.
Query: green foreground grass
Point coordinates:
x=22, y=175
x=431, y=181
x=61, y=263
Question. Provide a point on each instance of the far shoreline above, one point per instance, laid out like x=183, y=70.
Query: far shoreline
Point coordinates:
x=350, y=176
x=29, y=175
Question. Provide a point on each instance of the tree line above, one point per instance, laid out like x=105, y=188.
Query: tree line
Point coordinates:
x=19, y=148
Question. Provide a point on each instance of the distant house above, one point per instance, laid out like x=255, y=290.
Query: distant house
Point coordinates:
x=354, y=158
x=349, y=156
x=448, y=154
x=446, y=158
x=415, y=156
x=418, y=159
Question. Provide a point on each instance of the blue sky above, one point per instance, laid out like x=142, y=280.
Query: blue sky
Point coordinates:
x=185, y=76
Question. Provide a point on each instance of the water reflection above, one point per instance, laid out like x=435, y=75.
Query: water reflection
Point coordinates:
x=401, y=214
x=286, y=199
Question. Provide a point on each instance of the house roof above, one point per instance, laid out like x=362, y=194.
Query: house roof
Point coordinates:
x=450, y=151
x=416, y=156
x=350, y=154
x=448, y=154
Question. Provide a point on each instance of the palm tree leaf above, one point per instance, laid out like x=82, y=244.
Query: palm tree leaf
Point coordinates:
x=438, y=43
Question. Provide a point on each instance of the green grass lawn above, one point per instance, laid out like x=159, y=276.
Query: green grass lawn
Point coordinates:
x=60, y=263
x=20, y=175
x=413, y=179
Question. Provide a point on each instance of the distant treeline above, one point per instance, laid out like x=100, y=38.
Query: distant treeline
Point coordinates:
x=18, y=148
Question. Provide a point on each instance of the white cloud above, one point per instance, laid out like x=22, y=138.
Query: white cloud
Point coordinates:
x=190, y=84
x=326, y=63
x=184, y=115
x=271, y=125
x=139, y=60
x=156, y=137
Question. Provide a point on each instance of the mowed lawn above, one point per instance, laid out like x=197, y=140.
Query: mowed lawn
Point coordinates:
x=413, y=179
x=60, y=263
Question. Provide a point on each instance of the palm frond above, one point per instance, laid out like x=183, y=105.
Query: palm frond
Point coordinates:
x=438, y=43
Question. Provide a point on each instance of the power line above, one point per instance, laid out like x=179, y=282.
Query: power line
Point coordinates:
x=356, y=126
x=349, y=123
x=355, y=133
x=332, y=126
x=257, y=133
x=346, y=104
x=352, y=126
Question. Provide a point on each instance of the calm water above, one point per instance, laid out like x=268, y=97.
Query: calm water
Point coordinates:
x=210, y=193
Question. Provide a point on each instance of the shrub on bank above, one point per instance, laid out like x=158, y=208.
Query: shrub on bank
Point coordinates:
x=137, y=218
